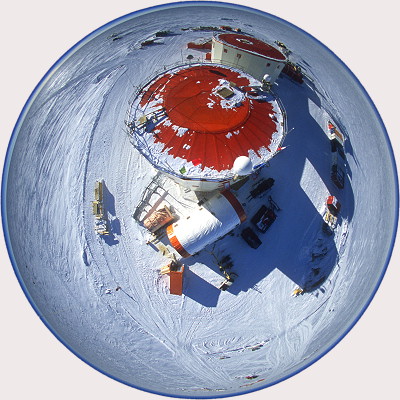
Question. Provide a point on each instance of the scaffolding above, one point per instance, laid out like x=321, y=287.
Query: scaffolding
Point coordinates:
x=146, y=206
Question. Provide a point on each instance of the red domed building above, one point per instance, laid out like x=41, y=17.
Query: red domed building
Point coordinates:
x=204, y=125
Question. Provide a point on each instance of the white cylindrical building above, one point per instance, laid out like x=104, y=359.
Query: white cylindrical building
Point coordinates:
x=249, y=54
x=214, y=219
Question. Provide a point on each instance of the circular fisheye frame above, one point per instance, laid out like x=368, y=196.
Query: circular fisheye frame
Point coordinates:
x=184, y=200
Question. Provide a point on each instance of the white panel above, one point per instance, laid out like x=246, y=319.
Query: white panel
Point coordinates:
x=208, y=223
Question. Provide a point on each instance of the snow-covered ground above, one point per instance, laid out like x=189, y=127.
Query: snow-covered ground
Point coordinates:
x=135, y=327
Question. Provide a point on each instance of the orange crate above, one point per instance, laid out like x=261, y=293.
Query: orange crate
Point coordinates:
x=176, y=281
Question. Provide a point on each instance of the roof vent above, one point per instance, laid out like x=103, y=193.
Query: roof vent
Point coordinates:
x=244, y=41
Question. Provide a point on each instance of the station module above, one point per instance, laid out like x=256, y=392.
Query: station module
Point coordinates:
x=254, y=56
x=208, y=125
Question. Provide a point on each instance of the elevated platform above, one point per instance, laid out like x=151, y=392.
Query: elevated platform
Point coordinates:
x=200, y=118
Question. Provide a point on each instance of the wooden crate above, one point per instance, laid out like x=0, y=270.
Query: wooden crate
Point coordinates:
x=158, y=219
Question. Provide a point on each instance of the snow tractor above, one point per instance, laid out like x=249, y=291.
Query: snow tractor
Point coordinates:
x=331, y=215
x=336, y=138
x=264, y=218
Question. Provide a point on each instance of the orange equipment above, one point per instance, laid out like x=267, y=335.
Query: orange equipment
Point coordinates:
x=176, y=281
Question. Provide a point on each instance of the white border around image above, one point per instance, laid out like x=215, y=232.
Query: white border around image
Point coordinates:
x=35, y=364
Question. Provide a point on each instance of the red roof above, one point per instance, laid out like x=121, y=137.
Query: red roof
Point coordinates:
x=253, y=45
x=199, y=126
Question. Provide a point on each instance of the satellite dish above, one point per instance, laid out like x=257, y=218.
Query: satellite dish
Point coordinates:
x=242, y=166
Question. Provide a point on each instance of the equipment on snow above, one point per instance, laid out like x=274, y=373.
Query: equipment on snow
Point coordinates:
x=261, y=188
x=251, y=238
x=264, y=218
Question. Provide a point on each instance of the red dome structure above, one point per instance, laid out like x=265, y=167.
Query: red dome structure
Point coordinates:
x=194, y=121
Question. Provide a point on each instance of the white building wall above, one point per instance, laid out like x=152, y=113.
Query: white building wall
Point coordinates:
x=253, y=64
x=214, y=219
x=198, y=185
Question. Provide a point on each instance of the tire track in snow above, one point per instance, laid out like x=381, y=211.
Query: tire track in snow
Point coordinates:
x=118, y=71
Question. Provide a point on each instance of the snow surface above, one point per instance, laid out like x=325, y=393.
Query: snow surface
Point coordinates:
x=72, y=135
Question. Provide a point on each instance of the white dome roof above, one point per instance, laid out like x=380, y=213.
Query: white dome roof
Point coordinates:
x=242, y=166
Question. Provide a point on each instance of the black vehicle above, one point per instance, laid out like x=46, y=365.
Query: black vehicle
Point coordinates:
x=264, y=218
x=263, y=186
x=251, y=238
x=338, y=169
